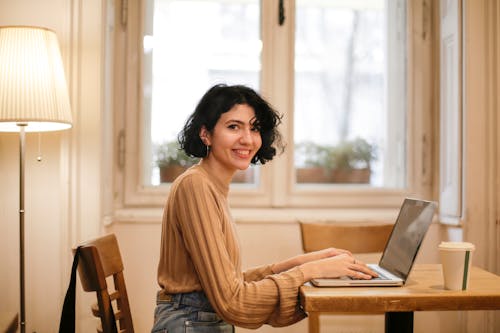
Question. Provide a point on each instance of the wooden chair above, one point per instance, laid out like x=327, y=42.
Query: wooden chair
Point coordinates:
x=357, y=237
x=100, y=258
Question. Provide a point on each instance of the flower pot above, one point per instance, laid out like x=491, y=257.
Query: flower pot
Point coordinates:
x=351, y=176
x=169, y=173
x=318, y=175
x=313, y=175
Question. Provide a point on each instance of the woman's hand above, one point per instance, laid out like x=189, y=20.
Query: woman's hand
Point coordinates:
x=330, y=252
x=307, y=257
x=336, y=266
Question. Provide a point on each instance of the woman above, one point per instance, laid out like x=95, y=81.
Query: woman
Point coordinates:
x=199, y=272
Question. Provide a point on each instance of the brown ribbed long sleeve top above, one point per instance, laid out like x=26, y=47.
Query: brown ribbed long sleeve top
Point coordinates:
x=200, y=251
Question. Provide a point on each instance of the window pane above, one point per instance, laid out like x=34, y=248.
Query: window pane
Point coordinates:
x=188, y=47
x=350, y=92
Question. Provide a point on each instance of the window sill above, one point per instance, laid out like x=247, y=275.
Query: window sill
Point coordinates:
x=264, y=215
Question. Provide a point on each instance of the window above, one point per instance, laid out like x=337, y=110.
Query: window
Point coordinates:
x=222, y=47
x=340, y=73
x=350, y=77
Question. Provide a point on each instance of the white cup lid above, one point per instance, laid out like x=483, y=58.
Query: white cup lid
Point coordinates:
x=457, y=246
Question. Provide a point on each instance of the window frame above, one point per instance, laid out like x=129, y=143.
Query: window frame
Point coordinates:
x=276, y=189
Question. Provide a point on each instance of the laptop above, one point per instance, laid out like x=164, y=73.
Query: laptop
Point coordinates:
x=414, y=219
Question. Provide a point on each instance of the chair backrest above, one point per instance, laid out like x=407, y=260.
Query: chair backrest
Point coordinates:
x=357, y=237
x=100, y=258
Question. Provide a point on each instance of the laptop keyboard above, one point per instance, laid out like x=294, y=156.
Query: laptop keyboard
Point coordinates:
x=381, y=275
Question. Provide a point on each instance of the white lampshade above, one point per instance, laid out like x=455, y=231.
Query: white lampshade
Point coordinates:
x=33, y=88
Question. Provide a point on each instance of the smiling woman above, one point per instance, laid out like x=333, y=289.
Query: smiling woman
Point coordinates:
x=233, y=143
x=202, y=286
x=231, y=127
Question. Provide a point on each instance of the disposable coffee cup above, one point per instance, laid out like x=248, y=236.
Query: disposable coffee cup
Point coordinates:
x=456, y=258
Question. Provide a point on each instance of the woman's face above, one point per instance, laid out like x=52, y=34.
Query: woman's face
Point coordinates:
x=234, y=140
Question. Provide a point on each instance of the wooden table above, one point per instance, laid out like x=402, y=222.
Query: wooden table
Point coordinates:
x=8, y=322
x=423, y=291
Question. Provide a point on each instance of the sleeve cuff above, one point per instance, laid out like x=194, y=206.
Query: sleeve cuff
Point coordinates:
x=289, y=311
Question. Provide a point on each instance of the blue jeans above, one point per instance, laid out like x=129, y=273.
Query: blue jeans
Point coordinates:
x=187, y=313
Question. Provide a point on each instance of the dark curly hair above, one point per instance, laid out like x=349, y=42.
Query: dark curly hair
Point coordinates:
x=220, y=99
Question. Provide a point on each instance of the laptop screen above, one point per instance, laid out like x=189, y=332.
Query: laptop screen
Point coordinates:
x=415, y=217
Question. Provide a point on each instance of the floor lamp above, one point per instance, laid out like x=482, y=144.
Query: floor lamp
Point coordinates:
x=33, y=98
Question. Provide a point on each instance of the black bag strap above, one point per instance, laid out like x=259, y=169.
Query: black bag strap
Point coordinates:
x=67, y=322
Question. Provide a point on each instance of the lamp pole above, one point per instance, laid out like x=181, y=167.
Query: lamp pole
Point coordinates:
x=22, y=137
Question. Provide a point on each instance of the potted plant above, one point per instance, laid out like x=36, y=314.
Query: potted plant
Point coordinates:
x=347, y=162
x=171, y=160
